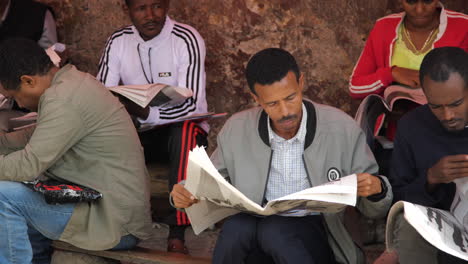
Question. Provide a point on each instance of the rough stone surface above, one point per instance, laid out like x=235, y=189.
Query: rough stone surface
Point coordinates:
x=326, y=37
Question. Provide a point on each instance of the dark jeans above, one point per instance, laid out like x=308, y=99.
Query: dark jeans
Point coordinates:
x=274, y=239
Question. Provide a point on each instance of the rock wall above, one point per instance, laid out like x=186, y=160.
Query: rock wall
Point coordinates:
x=325, y=36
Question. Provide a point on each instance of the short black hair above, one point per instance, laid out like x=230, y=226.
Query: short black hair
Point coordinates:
x=269, y=66
x=20, y=57
x=127, y=2
x=440, y=63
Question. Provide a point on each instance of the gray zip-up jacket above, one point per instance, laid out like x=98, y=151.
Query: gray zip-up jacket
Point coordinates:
x=334, y=147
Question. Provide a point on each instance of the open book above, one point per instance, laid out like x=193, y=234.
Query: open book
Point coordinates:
x=448, y=231
x=218, y=199
x=161, y=95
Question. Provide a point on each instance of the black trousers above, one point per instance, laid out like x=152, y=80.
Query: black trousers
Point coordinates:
x=172, y=143
x=445, y=258
x=274, y=239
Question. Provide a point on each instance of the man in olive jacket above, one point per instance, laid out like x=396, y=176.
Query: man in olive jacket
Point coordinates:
x=84, y=136
x=287, y=145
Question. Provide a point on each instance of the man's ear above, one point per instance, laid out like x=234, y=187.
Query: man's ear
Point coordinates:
x=255, y=97
x=27, y=81
x=301, y=81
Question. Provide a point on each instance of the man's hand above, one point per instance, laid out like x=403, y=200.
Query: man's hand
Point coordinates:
x=406, y=77
x=368, y=184
x=181, y=197
x=447, y=169
x=134, y=109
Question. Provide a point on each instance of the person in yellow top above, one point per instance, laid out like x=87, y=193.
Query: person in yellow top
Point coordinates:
x=84, y=136
x=424, y=25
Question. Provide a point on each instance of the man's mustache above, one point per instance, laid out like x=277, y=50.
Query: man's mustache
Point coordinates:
x=446, y=122
x=287, y=118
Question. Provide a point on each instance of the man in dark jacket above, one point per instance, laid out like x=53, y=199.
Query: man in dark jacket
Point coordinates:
x=431, y=147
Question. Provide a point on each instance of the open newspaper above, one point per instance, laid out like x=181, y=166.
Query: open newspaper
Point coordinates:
x=447, y=231
x=161, y=95
x=219, y=199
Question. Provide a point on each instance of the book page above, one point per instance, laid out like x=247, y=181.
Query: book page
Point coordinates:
x=157, y=94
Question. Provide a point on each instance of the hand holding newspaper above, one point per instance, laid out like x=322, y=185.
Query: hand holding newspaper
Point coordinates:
x=218, y=199
x=161, y=95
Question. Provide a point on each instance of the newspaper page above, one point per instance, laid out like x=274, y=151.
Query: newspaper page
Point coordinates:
x=459, y=206
x=438, y=227
x=218, y=199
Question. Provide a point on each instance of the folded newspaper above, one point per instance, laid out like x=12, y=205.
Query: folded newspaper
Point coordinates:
x=447, y=231
x=218, y=199
x=161, y=95
x=375, y=105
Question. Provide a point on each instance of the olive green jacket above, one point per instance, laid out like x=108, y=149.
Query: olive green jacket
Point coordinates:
x=85, y=136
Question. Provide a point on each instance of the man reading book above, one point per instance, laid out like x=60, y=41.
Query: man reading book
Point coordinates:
x=83, y=136
x=287, y=145
x=157, y=49
x=431, y=147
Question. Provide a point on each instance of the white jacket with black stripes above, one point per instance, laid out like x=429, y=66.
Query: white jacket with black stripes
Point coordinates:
x=175, y=57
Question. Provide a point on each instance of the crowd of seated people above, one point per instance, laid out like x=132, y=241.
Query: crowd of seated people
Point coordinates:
x=85, y=135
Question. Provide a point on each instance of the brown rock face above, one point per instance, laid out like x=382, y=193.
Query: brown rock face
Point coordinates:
x=326, y=37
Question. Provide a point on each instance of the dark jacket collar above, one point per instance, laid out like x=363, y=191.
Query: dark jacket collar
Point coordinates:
x=311, y=125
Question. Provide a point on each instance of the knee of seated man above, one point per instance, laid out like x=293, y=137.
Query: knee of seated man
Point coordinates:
x=11, y=190
x=269, y=234
x=240, y=227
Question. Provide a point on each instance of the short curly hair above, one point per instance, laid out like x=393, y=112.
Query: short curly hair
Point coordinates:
x=269, y=66
x=20, y=57
x=440, y=63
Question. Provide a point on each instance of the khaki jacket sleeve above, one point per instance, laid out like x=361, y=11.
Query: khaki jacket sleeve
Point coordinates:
x=58, y=128
x=14, y=141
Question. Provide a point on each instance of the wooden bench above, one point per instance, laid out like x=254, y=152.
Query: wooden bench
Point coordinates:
x=136, y=256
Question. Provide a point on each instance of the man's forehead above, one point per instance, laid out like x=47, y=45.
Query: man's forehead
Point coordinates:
x=445, y=92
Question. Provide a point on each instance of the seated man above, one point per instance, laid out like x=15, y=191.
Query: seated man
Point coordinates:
x=157, y=49
x=431, y=147
x=84, y=136
x=287, y=145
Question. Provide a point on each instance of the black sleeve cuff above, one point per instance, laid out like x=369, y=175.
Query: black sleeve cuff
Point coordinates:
x=379, y=196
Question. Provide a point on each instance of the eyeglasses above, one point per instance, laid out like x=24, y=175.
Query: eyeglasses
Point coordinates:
x=412, y=2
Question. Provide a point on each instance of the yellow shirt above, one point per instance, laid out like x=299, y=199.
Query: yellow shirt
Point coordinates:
x=404, y=57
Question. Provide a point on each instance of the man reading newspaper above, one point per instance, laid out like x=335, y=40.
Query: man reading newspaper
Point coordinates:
x=431, y=151
x=287, y=145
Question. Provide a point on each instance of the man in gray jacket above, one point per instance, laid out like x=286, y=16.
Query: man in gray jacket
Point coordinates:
x=287, y=145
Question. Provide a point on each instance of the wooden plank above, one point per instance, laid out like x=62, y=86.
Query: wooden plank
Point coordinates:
x=137, y=255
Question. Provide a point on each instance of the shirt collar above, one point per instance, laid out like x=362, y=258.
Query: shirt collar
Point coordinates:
x=5, y=13
x=300, y=135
